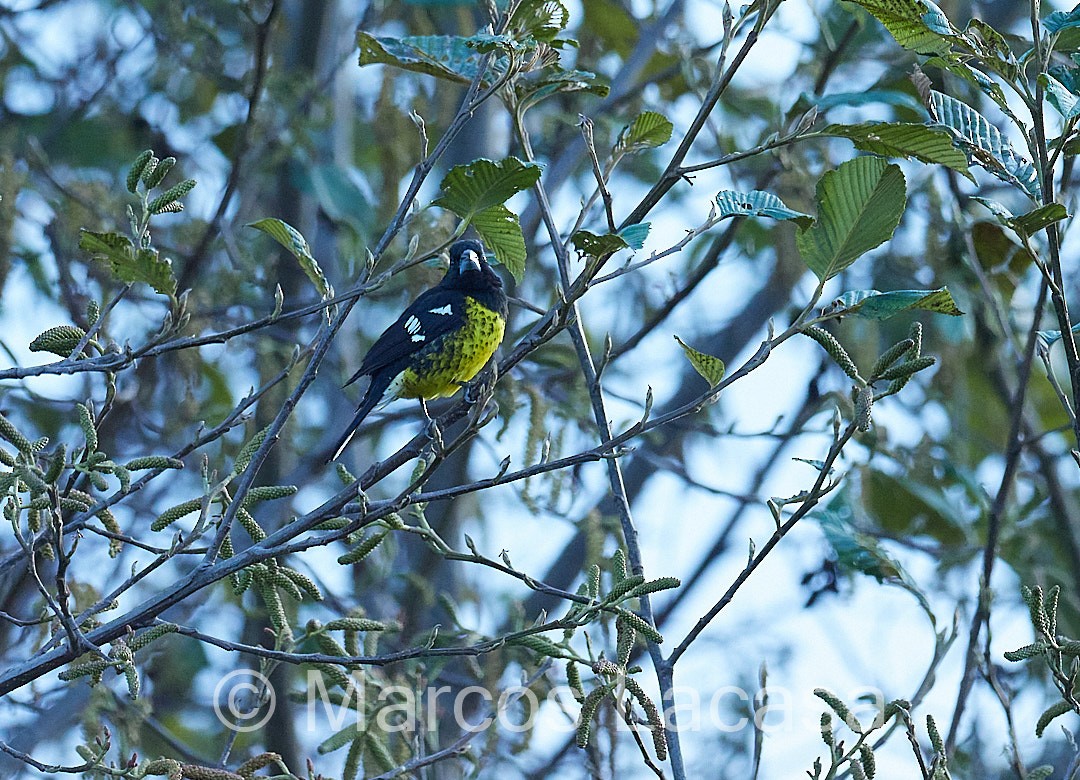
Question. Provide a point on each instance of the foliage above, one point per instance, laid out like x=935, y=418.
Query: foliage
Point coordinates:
x=902, y=198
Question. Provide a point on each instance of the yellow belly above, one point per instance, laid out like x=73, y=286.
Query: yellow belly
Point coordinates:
x=457, y=358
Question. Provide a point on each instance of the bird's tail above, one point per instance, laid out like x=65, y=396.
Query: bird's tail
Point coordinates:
x=372, y=398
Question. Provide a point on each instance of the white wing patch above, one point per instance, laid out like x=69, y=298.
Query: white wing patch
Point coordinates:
x=413, y=328
x=446, y=310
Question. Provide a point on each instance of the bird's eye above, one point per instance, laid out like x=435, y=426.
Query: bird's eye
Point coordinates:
x=470, y=256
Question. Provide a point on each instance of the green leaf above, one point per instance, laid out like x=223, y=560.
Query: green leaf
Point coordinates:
x=860, y=552
x=448, y=57
x=293, y=240
x=106, y=245
x=1002, y=214
x=1068, y=76
x=1061, y=20
x=984, y=143
x=540, y=19
x=485, y=43
x=337, y=194
x=900, y=139
x=992, y=49
x=471, y=188
x=1026, y=224
x=710, y=367
x=958, y=66
x=648, y=130
x=598, y=246
x=859, y=206
x=1032, y=222
x=907, y=507
x=875, y=305
x=936, y=20
x=535, y=88
x=500, y=229
x=1050, y=337
x=913, y=23
x=610, y=25
x=635, y=235
x=128, y=264
x=1059, y=96
x=758, y=203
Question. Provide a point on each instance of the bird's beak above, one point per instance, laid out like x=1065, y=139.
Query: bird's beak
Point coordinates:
x=470, y=261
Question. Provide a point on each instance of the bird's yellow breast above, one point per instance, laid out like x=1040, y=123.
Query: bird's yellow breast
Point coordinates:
x=456, y=357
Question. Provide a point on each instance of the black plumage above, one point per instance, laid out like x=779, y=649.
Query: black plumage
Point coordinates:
x=440, y=341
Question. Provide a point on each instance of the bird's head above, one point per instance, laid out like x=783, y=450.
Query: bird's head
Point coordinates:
x=468, y=266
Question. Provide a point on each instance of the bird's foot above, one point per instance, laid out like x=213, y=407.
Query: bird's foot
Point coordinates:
x=481, y=388
x=478, y=395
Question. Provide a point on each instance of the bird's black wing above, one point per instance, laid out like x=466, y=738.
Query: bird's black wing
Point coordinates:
x=434, y=313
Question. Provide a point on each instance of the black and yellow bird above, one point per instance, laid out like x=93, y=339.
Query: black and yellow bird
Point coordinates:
x=440, y=341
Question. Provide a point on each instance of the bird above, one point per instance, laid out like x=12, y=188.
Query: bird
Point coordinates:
x=440, y=341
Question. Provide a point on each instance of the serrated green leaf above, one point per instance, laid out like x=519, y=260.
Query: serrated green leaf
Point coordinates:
x=471, y=188
x=992, y=49
x=900, y=139
x=984, y=143
x=447, y=57
x=958, y=66
x=150, y=268
x=485, y=43
x=598, y=246
x=758, y=203
x=541, y=20
x=913, y=23
x=936, y=20
x=500, y=229
x=1026, y=224
x=710, y=367
x=550, y=81
x=128, y=264
x=648, y=130
x=859, y=206
x=1033, y=221
x=1069, y=76
x=1061, y=20
x=1059, y=96
x=294, y=241
x=876, y=305
x=1002, y=214
x=635, y=235
x=106, y=245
